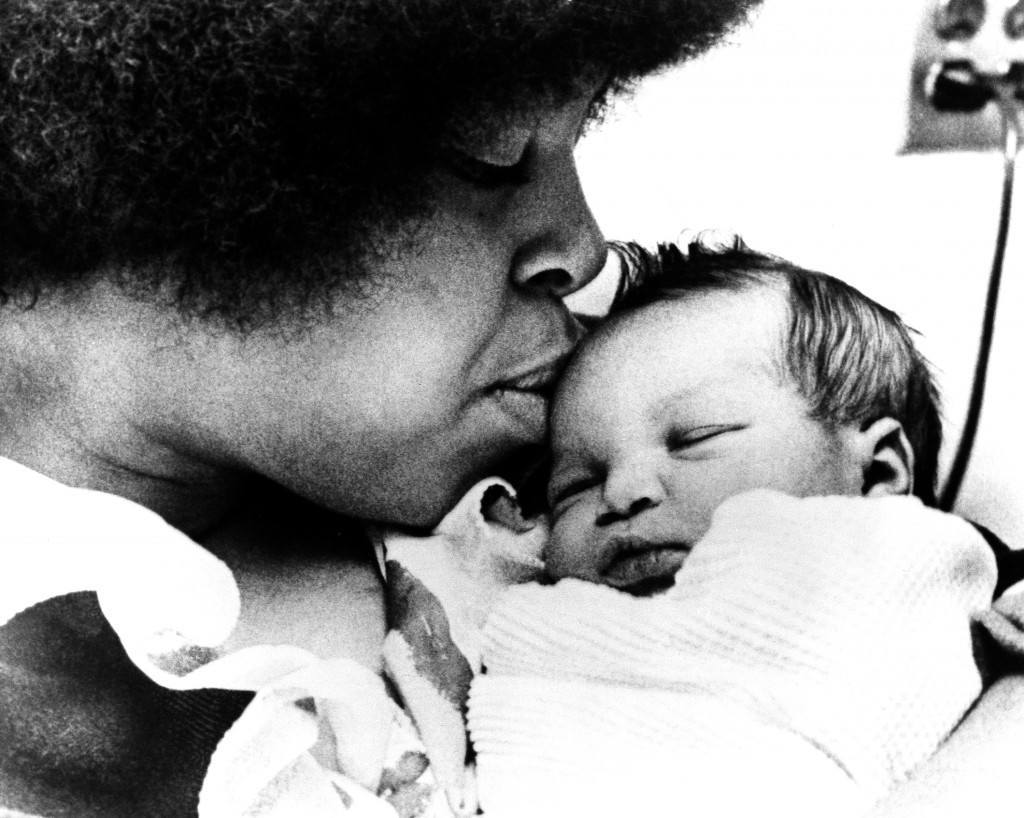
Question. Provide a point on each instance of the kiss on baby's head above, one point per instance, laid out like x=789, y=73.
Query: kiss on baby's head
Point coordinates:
x=720, y=371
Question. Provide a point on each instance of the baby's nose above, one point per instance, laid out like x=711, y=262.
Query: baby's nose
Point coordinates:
x=628, y=492
x=609, y=515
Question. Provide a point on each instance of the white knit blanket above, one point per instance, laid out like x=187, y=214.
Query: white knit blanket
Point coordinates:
x=811, y=653
x=594, y=703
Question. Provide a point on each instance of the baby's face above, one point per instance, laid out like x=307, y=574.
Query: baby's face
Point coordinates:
x=666, y=413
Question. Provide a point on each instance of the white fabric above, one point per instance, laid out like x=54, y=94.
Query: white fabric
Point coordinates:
x=467, y=561
x=463, y=566
x=811, y=653
x=172, y=603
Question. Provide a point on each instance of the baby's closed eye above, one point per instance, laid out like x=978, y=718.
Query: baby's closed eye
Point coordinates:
x=563, y=490
x=688, y=441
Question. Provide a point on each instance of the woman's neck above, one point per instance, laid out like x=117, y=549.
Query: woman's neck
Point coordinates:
x=84, y=387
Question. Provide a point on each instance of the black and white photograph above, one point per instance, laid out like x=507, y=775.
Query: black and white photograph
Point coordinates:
x=511, y=408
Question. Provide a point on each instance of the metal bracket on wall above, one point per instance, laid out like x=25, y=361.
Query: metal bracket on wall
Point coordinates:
x=968, y=60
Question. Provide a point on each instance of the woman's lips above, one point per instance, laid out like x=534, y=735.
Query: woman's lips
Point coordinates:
x=528, y=410
x=642, y=567
x=525, y=396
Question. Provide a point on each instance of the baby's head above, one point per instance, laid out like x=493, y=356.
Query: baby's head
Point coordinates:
x=718, y=372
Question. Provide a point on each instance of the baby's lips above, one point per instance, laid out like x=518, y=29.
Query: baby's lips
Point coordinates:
x=641, y=566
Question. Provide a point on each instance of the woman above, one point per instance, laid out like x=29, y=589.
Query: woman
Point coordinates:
x=265, y=267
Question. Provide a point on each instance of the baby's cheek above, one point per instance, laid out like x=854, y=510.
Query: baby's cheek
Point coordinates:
x=567, y=553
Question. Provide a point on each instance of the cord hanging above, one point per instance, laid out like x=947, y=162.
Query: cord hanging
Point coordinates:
x=1011, y=145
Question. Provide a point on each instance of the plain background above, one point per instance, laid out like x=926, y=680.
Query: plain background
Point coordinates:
x=791, y=135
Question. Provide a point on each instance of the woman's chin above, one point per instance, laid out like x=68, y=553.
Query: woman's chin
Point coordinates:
x=522, y=413
x=419, y=488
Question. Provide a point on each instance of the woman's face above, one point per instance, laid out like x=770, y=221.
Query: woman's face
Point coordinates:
x=397, y=404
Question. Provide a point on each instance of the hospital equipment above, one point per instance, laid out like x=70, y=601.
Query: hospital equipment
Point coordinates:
x=967, y=89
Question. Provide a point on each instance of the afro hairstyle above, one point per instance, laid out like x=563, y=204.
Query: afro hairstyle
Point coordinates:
x=251, y=153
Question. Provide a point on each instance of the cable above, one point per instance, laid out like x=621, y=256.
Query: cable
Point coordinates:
x=1011, y=143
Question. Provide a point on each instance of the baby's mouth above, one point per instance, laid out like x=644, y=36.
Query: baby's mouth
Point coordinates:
x=641, y=567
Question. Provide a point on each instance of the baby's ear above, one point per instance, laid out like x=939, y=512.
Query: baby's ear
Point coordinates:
x=887, y=458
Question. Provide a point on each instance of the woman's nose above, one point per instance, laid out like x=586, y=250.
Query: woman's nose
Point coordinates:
x=564, y=248
x=628, y=492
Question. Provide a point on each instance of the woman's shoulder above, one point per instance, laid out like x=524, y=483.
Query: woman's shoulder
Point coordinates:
x=84, y=728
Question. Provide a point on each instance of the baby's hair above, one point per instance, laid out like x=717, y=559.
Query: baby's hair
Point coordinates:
x=852, y=359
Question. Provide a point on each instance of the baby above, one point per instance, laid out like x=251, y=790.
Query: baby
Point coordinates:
x=811, y=651
x=719, y=373
x=814, y=647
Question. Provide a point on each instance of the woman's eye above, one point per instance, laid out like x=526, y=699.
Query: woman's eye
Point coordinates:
x=486, y=174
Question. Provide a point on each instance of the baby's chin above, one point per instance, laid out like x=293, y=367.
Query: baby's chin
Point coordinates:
x=640, y=566
x=651, y=586
x=646, y=587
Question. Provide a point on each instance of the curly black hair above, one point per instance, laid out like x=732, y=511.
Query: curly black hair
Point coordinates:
x=244, y=150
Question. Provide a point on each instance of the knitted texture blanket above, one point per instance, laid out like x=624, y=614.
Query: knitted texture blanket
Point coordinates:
x=593, y=702
x=811, y=653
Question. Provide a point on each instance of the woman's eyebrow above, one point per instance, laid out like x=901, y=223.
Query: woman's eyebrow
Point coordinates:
x=504, y=141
